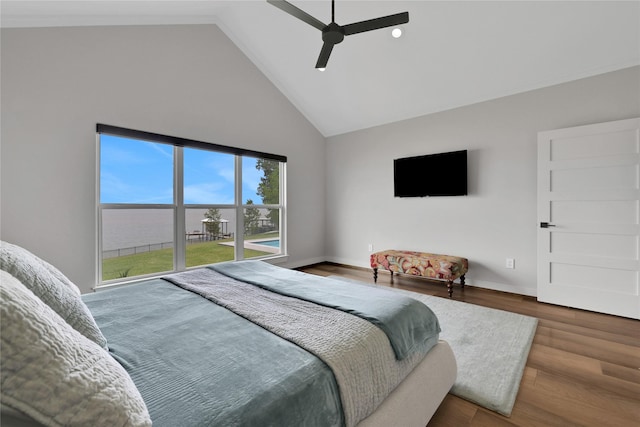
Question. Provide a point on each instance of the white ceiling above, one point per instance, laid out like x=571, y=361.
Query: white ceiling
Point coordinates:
x=453, y=53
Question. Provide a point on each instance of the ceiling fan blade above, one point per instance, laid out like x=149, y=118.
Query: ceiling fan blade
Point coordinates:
x=298, y=13
x=324, y=55
x=375, y=24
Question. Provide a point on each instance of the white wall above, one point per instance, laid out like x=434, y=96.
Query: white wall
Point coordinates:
x=186, y=81
x=498, y=218
x=192, y=82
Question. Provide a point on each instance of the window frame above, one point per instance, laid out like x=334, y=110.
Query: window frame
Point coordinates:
x=178, y=206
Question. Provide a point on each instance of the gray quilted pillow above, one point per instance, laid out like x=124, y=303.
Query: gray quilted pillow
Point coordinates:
x=55, y=375
x=40, y=277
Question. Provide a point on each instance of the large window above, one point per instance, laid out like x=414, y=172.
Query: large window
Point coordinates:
x=167, y=204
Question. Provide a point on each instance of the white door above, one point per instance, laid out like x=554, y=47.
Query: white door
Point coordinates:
x=589, y=217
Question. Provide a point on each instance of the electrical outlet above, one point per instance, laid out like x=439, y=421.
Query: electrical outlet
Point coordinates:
x=370, y=247
x=511, y=263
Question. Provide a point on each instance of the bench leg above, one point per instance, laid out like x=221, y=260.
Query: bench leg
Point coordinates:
x=450, y=287
x=375, y=275
x=462, y=281
x=391, y=276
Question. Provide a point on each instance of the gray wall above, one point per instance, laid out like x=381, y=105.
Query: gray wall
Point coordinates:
x=497, y=220
x=187, y=81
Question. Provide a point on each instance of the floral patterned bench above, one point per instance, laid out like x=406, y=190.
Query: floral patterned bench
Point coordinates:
x=423, y=264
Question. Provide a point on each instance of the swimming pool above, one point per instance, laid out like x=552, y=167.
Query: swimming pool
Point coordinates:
x=273, y=243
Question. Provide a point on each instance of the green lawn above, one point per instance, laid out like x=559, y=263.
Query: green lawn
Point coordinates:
x=198, y=253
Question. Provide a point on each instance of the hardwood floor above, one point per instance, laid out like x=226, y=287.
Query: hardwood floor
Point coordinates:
x=583, y=368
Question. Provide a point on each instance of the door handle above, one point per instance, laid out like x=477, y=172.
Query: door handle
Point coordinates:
x=546, y=225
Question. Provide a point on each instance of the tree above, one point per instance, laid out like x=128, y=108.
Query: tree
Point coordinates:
x=251, y=218
x=212, y=224
x=269, y=187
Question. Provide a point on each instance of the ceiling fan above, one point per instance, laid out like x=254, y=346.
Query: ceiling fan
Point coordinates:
x=332, y=34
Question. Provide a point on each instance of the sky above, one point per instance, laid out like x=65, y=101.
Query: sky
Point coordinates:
x=135, y=171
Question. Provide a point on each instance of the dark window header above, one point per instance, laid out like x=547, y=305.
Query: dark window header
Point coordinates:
x=183, y=142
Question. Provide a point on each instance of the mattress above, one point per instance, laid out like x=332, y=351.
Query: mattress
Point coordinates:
x=198, y=363
x=411, y=404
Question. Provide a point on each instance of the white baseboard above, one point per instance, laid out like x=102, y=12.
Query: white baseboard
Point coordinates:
x=303, y=263
x=502, y=287
x=351, y=262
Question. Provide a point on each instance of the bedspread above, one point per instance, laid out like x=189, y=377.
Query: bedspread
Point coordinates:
x=357, y=351
x=198, y=364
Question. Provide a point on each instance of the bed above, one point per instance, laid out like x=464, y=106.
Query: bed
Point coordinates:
x=233, y=344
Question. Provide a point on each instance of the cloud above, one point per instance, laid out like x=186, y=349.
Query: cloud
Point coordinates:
x=208, y=193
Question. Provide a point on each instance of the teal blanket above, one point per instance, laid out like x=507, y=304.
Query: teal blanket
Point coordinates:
x=408, y=323
x=198, y=364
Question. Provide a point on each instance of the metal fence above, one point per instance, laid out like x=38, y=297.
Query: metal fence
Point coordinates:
x=135, y=250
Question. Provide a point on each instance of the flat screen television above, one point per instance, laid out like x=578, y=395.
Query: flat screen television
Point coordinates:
x=441, y=174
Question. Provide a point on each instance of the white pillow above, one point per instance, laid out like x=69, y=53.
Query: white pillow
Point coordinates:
x=58, y=275
x=45, y=281
x=54, y=374
x=11, y=250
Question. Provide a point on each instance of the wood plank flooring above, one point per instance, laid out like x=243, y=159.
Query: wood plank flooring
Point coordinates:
x=583, y=368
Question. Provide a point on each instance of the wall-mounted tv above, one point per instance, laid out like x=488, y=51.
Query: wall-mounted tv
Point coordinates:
x=441, y=174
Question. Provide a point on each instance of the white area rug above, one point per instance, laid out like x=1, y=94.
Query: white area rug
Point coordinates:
x=491, y=348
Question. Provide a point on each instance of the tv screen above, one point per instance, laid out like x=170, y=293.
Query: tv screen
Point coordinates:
x=441, y=174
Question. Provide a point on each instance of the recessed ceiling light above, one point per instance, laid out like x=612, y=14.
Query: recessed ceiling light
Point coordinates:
x=396, y=32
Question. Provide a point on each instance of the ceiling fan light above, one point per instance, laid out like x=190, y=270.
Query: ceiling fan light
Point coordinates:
x=332, y=34
x=396, y=32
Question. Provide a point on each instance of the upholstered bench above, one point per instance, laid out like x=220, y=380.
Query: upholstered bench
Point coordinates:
x=423, y=264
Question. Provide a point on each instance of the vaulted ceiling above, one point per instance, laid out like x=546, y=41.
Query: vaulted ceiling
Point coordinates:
x=452, y=53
